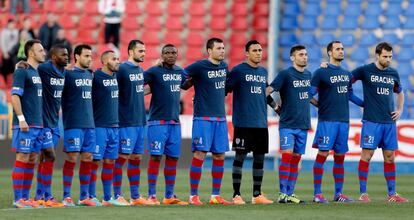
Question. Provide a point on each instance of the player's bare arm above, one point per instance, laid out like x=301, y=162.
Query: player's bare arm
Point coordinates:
x=17, y=106
x=395, y=115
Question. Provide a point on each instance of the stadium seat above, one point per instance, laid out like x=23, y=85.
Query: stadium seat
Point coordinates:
x=196, y=23
x=287, y=39
x=175, y=8
x=324, y=39
x=238, y=38
x=91, y=8
x=368, y=39
x=261, y=37
x=52, y=6
x=195, y=53
x=409, y=11
x=237, y=54
x=153, y=8
x=239, y=23
x=350, y=23
x=87, y=22
x=392, y=22
x=195, y=39
x=130, y=23
x=393, y=9
x=332, y=9
x=391, y=38
x=260, y=23
x=352, y=9
x=152, y=23
x=360, y=55
x=307, y=38
x=218, y=34
x=71, y=7
x=333, y=1
x=3, y=84
x=312, y=66
x=261, y=9
x=314, y=53
x=150, y=37
x=239, y=9
x=406, y=54
x=312, y=9
x=218, y=9
x=132, y=9
x=218, y=23
x=374, y=9
x=127, y=36
x=174, y=23
x=355, y=1
x=66, y=22
x=405, y=69
x=172, y=37
x=409, y=23
x=407, y=39
x=85, y=36
x=289, y=23
x=371, y=22
x=285, y=54
x=309, y=23
x=152, y=52
x=289, y=9
x=348, y=40
x=197, y=8
x=329, y=22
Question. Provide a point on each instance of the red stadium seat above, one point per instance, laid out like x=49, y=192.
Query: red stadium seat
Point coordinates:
x=218, y=23
x=218, y=34
x=238, y=38
x=239, y=23
x=261, y=9
x=174, y=23
x=239, y=9
x=175, y=8
x=53, y=6
x=261, y=37
x=152, y=23
x=91, y=7
x=130, y=23
x=218, y=9
x=66, y=22
x=127, y=36
x=87, y=22
x=172, y=38
x=197, y=9
x=132, y=9
x=151, y=38
x=195, y=53
x=195, y=39
x=9, y=80
x=85, y=36
x=3, y=84
x=71, y=7
x=237, y=54
x=261, y=23
x=154, y=8
x=196, y=23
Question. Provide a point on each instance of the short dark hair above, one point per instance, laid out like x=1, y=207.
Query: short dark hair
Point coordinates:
x=29, y=44
x=133, y=43
x=106, y=52
x=250, y=43
x=330, y=45
x=56, y=47
x=211, y=41
x=296, y=48
x=167, y=45
x=79, y=48
x=382, y=46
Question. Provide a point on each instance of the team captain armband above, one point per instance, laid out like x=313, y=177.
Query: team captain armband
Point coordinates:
x=17, y=91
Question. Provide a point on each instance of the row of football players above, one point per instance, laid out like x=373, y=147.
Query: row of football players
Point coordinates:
x=104, y=115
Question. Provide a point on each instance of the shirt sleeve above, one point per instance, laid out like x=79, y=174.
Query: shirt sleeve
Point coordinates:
x=231, y=80
x=190, y=71
x=19, y=78
x=148, y=76
x=397, y=84
x=315, y=81
x=278, y=81
x=357, y=74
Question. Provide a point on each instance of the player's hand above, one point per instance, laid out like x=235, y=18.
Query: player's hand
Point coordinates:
x=24, y=127
x=21, y=64
x=395, y=115
x=324, y=64
x=278, y=109
x=158, y=62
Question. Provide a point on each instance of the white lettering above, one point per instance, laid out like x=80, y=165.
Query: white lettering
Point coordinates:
x=216, y=73
x=301, y=83
x=83, y=82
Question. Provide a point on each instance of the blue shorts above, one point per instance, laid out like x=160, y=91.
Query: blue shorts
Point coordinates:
x=164, y=139
x=210, y=136
x=79, y=140
x=131, y=140
x=50, y=137
x=377, y=135
x=293, y=139
x=107, y=143
x=27, y=142
x=332, y=135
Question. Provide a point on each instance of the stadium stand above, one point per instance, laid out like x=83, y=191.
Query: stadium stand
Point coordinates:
x=359, y=24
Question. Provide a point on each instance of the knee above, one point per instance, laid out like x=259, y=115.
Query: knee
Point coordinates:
x=49, y=155
x=135, y=157
x=201, y=155
x=218, y=156
x=156, y=158
x=87, y=157
x=72, y=157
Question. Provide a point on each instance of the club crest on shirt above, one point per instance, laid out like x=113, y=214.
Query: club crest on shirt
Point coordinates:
x=320, y=140
x=22, y=142
x=366, y=139
x=237, y=140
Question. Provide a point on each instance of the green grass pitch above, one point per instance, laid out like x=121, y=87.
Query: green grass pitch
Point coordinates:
x=378, y=209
